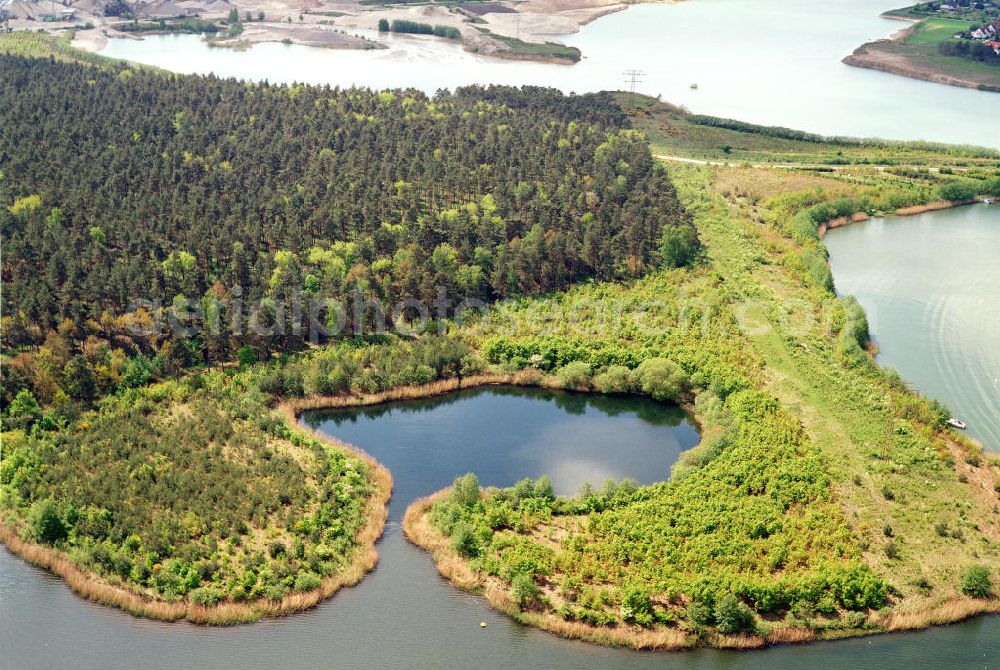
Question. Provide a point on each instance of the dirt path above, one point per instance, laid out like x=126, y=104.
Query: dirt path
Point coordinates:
x=791, y=166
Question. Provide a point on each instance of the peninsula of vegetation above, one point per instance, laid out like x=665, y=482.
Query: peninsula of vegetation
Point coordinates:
x=949, y=43
x=154, y=358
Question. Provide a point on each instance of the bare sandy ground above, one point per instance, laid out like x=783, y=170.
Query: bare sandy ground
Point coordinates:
x=309, y=35
x=90, y=40
x=540, y=20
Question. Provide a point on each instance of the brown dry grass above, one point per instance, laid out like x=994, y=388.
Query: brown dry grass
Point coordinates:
x=737, y=641
x=784, y=634
x=842, y=221
x=947, y=611
x=931, y=207
x=758, y=185
x=440, y=387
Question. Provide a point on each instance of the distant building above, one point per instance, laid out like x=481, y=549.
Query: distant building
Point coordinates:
x=67, y=15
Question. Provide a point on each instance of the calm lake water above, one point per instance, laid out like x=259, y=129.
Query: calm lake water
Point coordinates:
x=774, y=62
x=931, y=287
x=404, y=615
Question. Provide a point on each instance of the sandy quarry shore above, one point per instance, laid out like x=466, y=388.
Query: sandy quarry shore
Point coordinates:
x=333, y=23
x=310, y=35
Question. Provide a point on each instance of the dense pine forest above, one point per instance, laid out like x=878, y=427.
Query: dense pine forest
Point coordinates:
x=122, y=184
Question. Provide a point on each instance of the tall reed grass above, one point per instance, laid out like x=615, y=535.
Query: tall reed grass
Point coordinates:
x=948, y=610
x=526, y=377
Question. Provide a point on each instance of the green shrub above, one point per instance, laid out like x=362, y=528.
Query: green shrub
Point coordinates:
x=616, y=379
x=661, y=378
x=464, y=540
x=543, y=489
x=46, y=523
x=275, y=591
x=205, y=596
x=698, y=613
x=636, y=607
x=307, y=581
x=854, y=620
x=976, y=581
x=958, y=190
x=246, y=356
x=803, y=228
x=678, y=246
x=858, y=588
x=449, y=32
x=465, y=490
x=405, y=26
x=854, y=333
x=523, y=589
x=817, y=267
x=24, y=407
x=733, y=616
x=992, y=187
x=575, y=375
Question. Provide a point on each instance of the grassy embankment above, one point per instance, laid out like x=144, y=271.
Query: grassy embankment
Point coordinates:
x=674, y=132
x=544, y=51
x=918, y=504
x=923, y=500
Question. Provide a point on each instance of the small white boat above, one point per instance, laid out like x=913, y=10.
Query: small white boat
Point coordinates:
x=957, y=423
x=987, y=201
